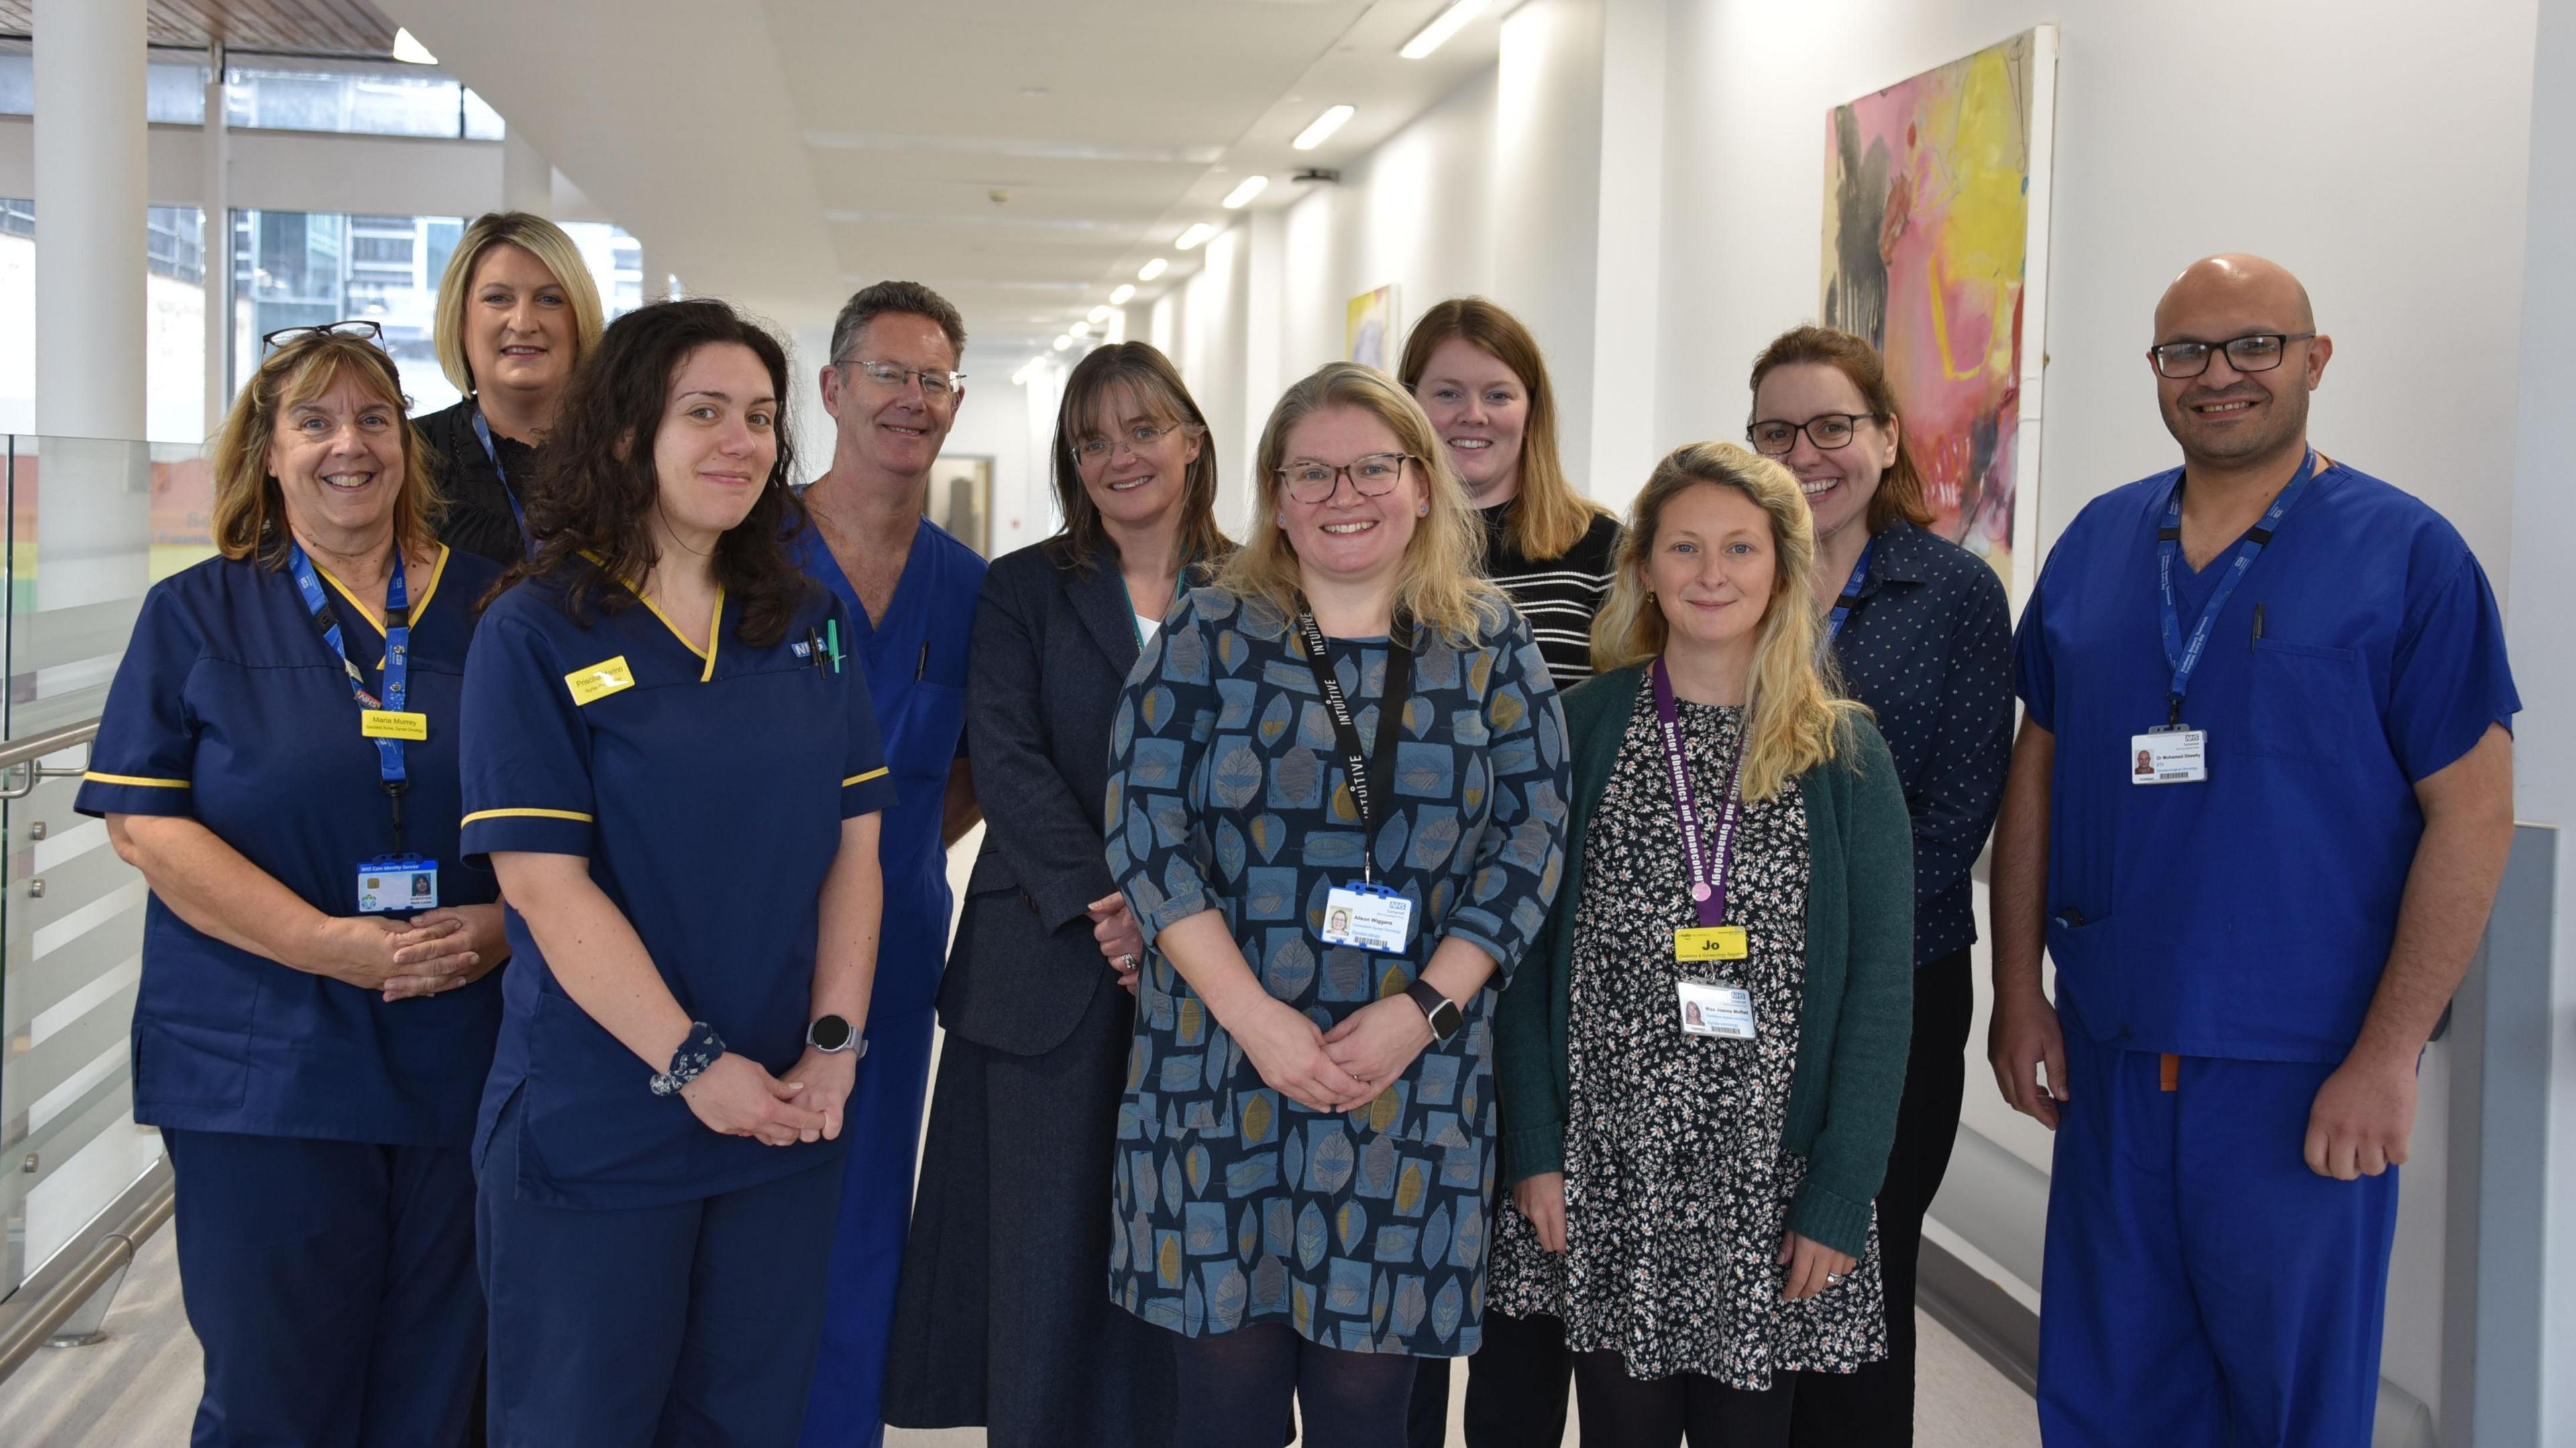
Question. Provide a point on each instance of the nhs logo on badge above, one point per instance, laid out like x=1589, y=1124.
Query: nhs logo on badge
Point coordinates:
x=802, y=649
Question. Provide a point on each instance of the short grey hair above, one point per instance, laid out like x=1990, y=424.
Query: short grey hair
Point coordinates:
x=908, y=298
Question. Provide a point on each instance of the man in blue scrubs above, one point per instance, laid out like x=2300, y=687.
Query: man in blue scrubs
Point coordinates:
x=2256, y=931
x=893, y=389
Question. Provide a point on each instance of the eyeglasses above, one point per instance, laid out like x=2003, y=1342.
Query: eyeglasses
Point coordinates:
x=936, y=385
x=2253, y=352
x=1829, y=431
x=1373, y=476
x=1136, y=439
x=355, y=329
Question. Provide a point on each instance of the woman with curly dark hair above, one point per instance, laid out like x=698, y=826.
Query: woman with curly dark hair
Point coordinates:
x=658, y=1151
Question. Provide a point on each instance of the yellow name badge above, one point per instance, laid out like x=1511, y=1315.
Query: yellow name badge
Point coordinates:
x=1715, y=942
x=599, y=680
x=392, y=724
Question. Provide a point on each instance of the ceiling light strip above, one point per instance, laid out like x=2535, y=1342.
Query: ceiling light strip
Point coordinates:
x=1322, y=129
x=1436, y=34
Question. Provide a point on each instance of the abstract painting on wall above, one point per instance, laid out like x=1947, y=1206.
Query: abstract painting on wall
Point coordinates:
x=1369, y=329
x=1936, y=250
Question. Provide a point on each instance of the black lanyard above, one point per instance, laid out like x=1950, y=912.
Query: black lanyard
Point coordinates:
x=1371, y=774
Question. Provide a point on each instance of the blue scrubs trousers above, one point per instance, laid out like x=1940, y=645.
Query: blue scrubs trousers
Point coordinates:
x=687, y=1324
x=884, y=1119
x=2202, y=1286
x=331, y=1285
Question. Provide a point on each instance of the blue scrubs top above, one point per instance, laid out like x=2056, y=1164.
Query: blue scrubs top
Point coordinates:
x=708, y=795
x=916, y=666
x=2250, y=915
x=229, y=709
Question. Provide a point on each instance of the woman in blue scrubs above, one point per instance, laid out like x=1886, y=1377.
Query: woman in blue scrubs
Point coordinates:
x=672, y=764
x=278, y=757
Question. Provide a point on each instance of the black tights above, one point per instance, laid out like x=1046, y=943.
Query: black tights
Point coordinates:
x=1235, y=1386
x=1621, y=1412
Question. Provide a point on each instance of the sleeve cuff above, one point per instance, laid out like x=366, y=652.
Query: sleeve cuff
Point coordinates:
x=526, y=830
x=1173, y=910
x=106, y=794
x=867, y=793
x=1835, y=1221
x=1532, y=1151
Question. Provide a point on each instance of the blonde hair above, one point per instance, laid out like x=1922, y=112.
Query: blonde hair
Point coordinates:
x=1547, y=516
x=539, y=238
x=1794, y=717
x=250, y=508
x=1440, y=585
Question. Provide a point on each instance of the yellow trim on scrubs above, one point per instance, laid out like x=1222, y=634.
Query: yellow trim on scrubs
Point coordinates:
x=95, y=777
x=437, y=571
x=526, y=814
x=715, y=622
x=863, y=778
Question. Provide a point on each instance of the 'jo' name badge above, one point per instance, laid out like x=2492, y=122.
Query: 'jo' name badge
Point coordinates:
x=1367, y=917
x=2169, y=756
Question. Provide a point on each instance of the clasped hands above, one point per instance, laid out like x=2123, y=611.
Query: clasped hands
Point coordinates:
x=435, y=951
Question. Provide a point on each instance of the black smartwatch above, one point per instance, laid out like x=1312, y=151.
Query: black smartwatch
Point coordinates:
x=832, y=1035
x=1442, y=1012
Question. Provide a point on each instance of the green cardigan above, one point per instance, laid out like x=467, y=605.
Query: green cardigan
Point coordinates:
x=1858, y=1019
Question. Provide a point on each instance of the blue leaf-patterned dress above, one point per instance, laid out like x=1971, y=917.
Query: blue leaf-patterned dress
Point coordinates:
x=1236, y=1205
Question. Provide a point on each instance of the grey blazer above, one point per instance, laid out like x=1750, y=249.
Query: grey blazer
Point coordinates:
x=1051, y=651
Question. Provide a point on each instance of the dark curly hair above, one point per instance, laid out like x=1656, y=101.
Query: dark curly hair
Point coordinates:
x=591, y=509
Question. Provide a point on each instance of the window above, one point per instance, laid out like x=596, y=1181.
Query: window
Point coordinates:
x=174, y=369
x=174, y=84
x=368, y=97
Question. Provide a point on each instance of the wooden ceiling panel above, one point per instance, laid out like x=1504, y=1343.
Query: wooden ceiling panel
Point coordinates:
x=333, y=27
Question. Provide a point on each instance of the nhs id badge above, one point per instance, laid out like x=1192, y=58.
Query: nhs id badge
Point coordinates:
x=1724, y=1011
x=397, y=885
x=2169, y=756
x=1368, y=917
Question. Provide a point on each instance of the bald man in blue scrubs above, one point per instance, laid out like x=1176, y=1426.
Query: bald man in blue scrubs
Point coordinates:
x=2257, y=812
x=893, y=390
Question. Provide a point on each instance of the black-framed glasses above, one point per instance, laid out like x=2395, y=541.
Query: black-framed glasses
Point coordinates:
x=356, y=329
x=1372, y=476
x=2253, y=352
x=1829, y=431
x=1135, y=439
x=937, y=385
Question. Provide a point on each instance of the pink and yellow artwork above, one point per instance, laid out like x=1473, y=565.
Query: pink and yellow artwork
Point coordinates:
x=1929, y=241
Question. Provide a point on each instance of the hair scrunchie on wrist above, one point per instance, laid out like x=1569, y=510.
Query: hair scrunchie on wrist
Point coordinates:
x=689, y=1062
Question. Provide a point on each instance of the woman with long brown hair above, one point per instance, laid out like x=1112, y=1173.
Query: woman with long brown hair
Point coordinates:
x=1000, y=1320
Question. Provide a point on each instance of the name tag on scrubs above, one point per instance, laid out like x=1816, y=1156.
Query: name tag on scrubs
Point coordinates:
x=1724, y=1011
x=397, y=885
x=1714, y=942
x=393, y=724
x=2169, y=756
x=1369, y=917
x=599, y=680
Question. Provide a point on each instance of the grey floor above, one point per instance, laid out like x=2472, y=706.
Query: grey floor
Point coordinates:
x=137, y=1389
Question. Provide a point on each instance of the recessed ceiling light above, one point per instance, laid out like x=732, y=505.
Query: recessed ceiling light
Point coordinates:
x=1322, y=130
x=1199, y=231
x=1039, y=92
x=1119, y=297
x=1244, y=191
x=1063, y=342
x=409, y=50
x=1153, y=269
x=1098, y=314
x=1078, y=329
x=1447, y=23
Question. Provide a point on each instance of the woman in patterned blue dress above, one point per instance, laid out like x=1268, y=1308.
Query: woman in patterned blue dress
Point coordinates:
x=1306, y=1143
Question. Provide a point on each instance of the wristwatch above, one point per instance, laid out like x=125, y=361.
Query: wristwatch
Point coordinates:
x=1442, y=1012
x=832, y=1035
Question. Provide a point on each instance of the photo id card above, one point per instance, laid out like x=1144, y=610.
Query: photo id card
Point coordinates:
x=1725, y=1011
x=2169, y=756
x=1368, y=917
x=397, y=886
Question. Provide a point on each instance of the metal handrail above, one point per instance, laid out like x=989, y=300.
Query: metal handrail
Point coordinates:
x=23, y=1333
x=19, y=771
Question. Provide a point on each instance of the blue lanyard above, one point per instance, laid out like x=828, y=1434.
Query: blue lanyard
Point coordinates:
x=389, y=752
x=2184, y=658
x=483, y=431
x=1850, y=600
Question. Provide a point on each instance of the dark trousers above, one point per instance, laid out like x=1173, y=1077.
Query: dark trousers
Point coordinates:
x=331, y=1286
x=1874, y=1407
x=687, y=1324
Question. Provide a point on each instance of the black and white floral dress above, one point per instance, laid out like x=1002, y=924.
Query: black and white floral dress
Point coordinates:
x=1677, y=1189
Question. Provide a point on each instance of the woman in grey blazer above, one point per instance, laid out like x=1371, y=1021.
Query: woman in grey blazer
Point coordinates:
x=1004, y=1320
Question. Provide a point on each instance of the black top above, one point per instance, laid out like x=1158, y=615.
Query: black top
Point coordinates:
x=478, y=517
x=1558, y=596
x=1929, y=649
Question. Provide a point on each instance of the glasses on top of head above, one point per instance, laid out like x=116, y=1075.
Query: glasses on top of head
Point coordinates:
x=1827, y=430
x=2253, y=352
x=937, y=385
x=357, y=329
x=1372, y=476
x=1135, y=439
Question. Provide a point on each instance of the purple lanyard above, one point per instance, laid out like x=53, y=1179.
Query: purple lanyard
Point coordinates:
x=1707, y=876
